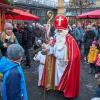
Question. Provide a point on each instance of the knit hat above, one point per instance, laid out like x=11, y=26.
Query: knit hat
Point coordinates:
x=89, y=27
x=94, y=42
x=15, y=51
x=8, y=25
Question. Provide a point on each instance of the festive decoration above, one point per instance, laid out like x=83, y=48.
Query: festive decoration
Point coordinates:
x=50, y=15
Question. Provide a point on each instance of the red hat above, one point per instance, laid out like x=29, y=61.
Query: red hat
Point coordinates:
x=94, y=42
x=61, y=22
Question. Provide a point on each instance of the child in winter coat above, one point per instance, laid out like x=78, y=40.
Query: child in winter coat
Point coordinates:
x=92, y=57
x=97, y=65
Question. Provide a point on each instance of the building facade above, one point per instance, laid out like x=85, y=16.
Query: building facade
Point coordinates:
x=37, y=7
x=98, y=4
x=77, y=7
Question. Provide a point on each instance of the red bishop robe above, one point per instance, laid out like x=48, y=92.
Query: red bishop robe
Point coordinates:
x=70, y=80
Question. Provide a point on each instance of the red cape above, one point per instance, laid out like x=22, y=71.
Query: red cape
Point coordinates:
x=70, y=81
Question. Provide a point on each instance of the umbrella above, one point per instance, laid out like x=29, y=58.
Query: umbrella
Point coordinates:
x=21, y=15
x=92, y=14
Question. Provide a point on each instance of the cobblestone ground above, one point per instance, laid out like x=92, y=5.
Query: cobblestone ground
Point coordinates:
x=87, y=82
x=87, y=91
x=88, y=85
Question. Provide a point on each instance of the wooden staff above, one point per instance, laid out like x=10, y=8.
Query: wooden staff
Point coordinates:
x=50, y=16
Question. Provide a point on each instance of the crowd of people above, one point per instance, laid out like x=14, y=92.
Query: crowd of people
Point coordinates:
x=88, y=36
x=15, y=43
x=58, y=56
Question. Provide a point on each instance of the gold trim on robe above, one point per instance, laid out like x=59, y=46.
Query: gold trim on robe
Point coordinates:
x=50, y=72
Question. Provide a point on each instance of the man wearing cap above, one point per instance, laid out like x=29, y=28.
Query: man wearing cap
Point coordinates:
x=67, y=67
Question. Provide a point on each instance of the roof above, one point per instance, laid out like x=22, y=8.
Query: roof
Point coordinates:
x=5, y=1
x=2, y=5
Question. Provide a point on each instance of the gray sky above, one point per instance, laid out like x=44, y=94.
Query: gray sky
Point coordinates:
x=64, y=0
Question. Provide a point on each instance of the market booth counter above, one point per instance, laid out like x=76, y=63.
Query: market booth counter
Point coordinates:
x=3, y=10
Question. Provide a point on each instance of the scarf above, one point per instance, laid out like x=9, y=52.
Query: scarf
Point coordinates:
x=3, y=37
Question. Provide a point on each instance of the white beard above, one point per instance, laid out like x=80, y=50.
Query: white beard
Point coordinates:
x=60, y=39
x=61, y=54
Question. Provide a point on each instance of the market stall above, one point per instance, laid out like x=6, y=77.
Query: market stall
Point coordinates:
x=3, y=9
x=21, y=15
x=90, y=15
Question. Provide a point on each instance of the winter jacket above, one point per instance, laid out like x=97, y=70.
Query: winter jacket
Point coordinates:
x=19, y=36
x=13, y=86
x=88, y=38
x=8, y=41
x=96, y=33
x=78, y=33
x=98, y=60
x=27, y=37
x=92, y=54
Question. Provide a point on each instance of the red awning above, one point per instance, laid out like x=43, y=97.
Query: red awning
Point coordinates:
x=22, y=15
x=92, y=14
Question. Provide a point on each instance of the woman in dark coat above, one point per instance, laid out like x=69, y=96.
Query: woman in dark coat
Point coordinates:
x=27, y=43
x=88, y=39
